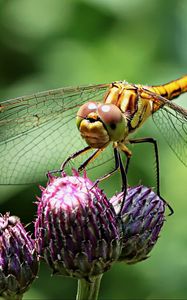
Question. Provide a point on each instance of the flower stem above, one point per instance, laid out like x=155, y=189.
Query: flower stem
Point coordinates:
x=88, y=290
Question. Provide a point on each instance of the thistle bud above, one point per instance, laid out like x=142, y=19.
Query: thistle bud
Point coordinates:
x=142, y=218
x=18, y=258
x=77, y=229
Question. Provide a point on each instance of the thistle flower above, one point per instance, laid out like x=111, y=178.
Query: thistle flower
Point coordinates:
x=142, y=219
x=76, y=229
x=18, y=258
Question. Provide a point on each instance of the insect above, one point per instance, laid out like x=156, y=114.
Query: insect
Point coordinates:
x=38, y=131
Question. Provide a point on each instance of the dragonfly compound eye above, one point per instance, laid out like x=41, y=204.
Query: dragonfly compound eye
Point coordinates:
x=113, y=120
x=85, y=110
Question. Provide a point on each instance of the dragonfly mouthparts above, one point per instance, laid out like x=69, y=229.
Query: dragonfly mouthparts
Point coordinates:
x=93, y=119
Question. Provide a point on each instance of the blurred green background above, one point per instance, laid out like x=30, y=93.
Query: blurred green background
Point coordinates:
x=48, y=44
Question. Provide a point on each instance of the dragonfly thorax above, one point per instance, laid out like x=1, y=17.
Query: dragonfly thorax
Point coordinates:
x=99, y=124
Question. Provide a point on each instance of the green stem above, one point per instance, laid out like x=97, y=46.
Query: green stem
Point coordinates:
x=88, y=290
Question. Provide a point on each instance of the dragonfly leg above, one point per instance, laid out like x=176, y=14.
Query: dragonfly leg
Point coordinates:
x=124, y=183
x=107, y=175
x=127, y=164
x=92, y=157
x=154, y=143
x=118, y=165
x=128, y=155
x=72, y=156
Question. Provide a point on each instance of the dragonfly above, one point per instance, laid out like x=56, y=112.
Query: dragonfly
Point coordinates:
x=38, y=131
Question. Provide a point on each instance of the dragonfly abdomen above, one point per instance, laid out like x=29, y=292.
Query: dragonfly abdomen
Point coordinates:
x=171, y=89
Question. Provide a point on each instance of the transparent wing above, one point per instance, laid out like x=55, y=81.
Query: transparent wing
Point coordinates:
x=171, y=120
x=173, y=126
x=38, y=132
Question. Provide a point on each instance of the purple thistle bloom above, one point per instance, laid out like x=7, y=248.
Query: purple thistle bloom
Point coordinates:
x=18, y=258
x=142, y=219
x=77, y=230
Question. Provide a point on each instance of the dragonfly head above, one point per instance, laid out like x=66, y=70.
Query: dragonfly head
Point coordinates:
x=99, y=124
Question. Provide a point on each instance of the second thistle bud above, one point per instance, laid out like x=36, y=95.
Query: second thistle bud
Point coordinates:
x=142, y=218
x=76, y=229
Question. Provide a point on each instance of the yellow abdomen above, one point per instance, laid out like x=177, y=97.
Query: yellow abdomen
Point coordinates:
x=171, y=89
